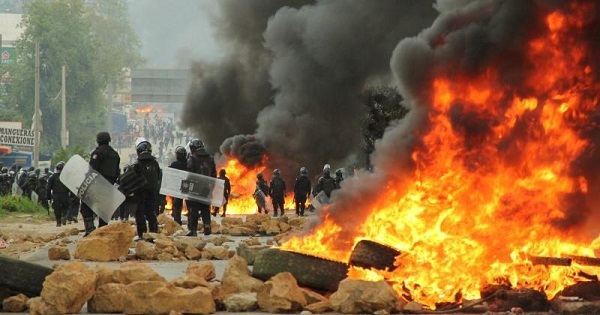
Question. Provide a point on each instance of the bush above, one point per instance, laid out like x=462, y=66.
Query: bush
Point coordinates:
x=12, y=204
x=64, y=155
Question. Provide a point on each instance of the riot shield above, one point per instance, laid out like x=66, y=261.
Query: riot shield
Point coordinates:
x=88, y=185
x=16, y=190
x=262, y=200
x=191, y=186
x=34, y=197
x=319, y=200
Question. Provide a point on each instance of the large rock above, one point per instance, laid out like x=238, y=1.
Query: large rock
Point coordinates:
x=14, y=304
x=281, y=294
x=107, y=243
x=220, y=253
x=151, y=297
x=168, y=225
x=109, y=298
x=58, y=253
x=364, y=297
x=237, y=277
x=205, y=270
x=128, y=273
x=241, y=302
x=145, y=250
x=190, y=282
x=183, y=243
x=69, y=287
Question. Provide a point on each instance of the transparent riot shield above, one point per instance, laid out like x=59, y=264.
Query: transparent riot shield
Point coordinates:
x=191, y=186
x=319, y=200
x=262, y=200
x=16, y=190
x=34, y=197
x=88, y=185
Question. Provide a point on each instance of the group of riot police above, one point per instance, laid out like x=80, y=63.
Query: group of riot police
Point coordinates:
x=302, y=189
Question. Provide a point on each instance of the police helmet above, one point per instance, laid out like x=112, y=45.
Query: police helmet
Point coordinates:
x=196, y=144
x=303, y=170
x=327, y=167
x=259, y=176
x=222, y=172
x=4, y=170
x=143, y=147
x=103, y=137
x=32, y=176
x=276, y=172
x=339, y=172
x=180, y=153
x=60, y=165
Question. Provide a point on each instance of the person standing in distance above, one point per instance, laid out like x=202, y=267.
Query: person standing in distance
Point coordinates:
x=105, y=160
x=180, y=163
x=226, y=193
x=302, y=189
x=277, y=192
x=199, y=162
x=59, y=194
x=147, y=196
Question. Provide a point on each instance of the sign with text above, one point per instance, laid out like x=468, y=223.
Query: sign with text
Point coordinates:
x=14, y=136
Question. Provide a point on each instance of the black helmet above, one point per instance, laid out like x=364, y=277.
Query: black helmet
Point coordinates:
x=339, y=172
x=103, y=137
x=259, y=176
x=60, y=165
x=143, y=147
x=32, y=176
x=180, y=153
x=4, y=169
x=196, y=144
x=303, y=170
x=276, y=172
x=222, y=172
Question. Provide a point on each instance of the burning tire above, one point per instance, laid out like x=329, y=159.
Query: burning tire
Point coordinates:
x=369, y=254
x=309, y=271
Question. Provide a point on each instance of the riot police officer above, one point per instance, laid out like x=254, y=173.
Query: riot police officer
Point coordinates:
x=277, y=192
x=105, y=160
x=180, y=163
x=261, y=186
x=199, y=162
x=59, y=194
x=147, y=195
x=226, y=193
x=302, y=189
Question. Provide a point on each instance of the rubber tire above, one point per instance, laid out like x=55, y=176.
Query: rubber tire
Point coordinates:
x=309, y=271
x=22, y=276
x=368, y=254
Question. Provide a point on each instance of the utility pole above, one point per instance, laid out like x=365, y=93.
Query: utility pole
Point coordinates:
x=63, y=130
x=37, y=122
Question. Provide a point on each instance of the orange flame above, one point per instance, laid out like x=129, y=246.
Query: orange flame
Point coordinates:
x=475, y=211
x=143, y=110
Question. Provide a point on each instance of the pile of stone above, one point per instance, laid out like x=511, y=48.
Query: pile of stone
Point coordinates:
x=135, y=288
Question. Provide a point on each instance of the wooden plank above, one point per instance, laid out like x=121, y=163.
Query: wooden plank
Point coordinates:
x=22, y=276
x=550, y=261
x=584, y=260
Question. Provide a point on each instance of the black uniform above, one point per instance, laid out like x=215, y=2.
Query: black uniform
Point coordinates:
x=200, y=162
x=277, y=192
x=302, y=189
x=59, y=194
x=226, y=193
x=326, y=184
x=105, y=160
x=147, y=196
x=178, y=202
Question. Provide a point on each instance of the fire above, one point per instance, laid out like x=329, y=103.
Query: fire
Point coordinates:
x=243, y=185
x=494, y=179
x=143, y=110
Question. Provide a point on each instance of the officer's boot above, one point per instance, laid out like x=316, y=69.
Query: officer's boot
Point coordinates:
x=88, y=224
x=58, y=219
x=207, y=230
x=64, y=221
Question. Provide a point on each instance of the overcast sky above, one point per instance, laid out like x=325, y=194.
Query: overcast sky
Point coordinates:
x=174, y=32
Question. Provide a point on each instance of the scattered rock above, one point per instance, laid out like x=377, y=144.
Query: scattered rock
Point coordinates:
x=319, y=307
x=220, y=253
x=204, y=270
x=15, y=304
x=237, y=277
x=145, y=250
x=248, y=252
x=59, y=253
x=107, y=243
x=151, y=297
x=281, y=294
x=69, y=287
x=109, y=298
x=128, y=273
x=241, y=302
x=192, y=253
x=168, y=225
x=359, y=296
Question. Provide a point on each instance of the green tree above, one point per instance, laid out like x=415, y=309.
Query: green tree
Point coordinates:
x=89, y=39
x=383, y=105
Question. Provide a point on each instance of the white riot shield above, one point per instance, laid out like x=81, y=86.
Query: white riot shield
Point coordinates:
x=16, y=190
x=88, y=185
x=319, y=200
x=34, y=197
x=191, y=186
x=262, y=200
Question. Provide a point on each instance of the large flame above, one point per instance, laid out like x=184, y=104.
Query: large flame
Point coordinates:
x=477, y=207
x=243, y=186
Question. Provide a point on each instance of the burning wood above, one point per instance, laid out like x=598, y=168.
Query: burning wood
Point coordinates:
x=550, y=261
x=584, y=260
